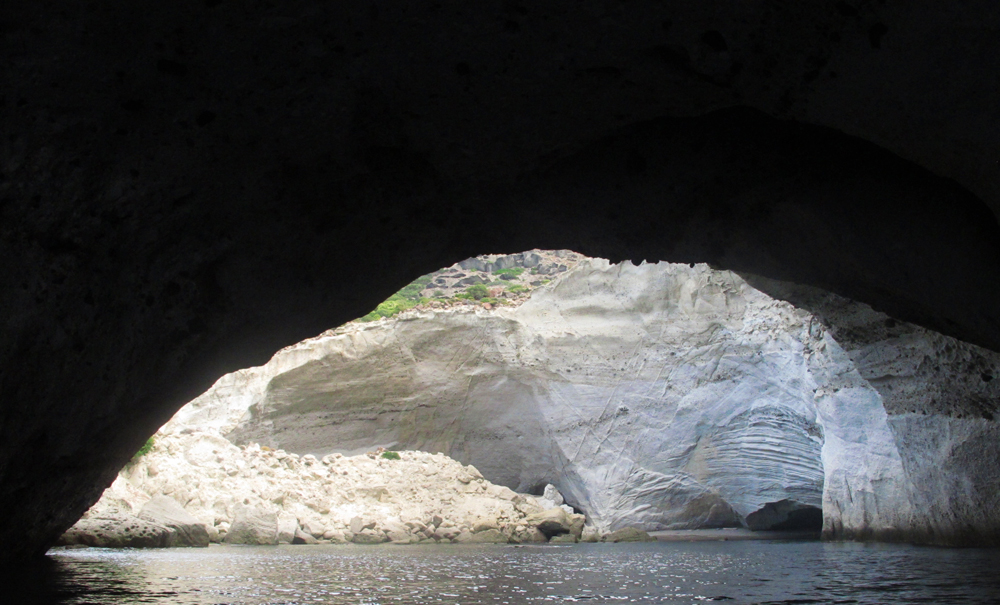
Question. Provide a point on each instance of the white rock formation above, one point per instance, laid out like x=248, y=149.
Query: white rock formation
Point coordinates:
x=659, y=396
x=937, y=480
x=253, y=495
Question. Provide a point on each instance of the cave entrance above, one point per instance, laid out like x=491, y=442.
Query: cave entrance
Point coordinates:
x=786, y=516
x=626, y=409
x=637, y=413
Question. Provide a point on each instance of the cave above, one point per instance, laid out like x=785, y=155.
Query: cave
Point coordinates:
x=787, y=515
x=231, y=178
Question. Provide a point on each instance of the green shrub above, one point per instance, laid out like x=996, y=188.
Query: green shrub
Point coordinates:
x=145, y=449
x=390, y=455
x=389, y=308
x=513, y=271
x=406, y=298
x=517, y=288
x=477, y=291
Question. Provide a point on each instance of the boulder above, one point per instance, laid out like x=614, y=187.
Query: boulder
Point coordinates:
x=446, y=533
x=118, y=531
x=590, y=534
x=553, y=495
x=335, y=536
x=288, y=526
x=563, y=539
x=489, y=536
x=358, y=524
x=312, y=525
x=369, y=536
x=502, y=492
x=484, y=523
x=253, y=526
x=188, y=531
x=629, y=534
x=551, y=522
x=397, y=531
x=530, y=535
x=302, y=537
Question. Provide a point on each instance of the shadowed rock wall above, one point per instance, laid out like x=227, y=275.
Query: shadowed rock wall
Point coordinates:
x=187, y=187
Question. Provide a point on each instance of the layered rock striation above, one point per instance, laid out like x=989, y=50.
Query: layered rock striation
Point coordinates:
x=657, y=396
x=660, y=396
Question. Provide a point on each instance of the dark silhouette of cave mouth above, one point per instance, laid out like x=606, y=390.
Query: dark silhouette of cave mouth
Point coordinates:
x=786, y=515
x=706, y=193
x=538, y=489
x=809, y=518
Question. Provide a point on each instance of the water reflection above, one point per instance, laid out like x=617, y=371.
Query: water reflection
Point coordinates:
x=747, y=572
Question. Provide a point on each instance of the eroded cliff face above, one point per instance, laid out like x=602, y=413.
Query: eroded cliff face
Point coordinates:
x=941, y=403
x=659, y=395
x=182, y=200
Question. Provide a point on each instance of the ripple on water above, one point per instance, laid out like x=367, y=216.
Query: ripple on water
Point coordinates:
x=674, y=572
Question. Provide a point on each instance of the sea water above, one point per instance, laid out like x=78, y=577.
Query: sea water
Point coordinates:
x=658, y=572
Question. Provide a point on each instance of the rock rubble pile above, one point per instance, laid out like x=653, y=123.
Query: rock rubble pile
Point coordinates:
x=195, y=487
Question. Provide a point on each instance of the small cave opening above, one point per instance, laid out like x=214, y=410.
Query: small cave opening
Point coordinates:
x=538, y=489
x=786, y=515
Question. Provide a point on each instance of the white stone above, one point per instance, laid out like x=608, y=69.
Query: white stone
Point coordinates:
x=656, y=396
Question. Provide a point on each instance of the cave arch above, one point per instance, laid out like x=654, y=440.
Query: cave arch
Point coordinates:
x=735, y=188
x=154, y=238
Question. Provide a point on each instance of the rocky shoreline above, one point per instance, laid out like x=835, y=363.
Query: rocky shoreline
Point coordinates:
x=196, y=488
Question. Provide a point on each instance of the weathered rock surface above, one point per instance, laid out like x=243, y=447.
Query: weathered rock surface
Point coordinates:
x=255, y=495
x=164, y=510
x=935, y=478
x=700, y=399
x=252, y=526
x=554, y=521
x=181, y=201
x=683, y=387
x=118, y=531
x=628, y=534
x=703, y=401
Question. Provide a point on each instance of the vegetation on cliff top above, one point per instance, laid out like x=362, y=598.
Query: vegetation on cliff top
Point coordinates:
x=406, y=298
x=480, y=284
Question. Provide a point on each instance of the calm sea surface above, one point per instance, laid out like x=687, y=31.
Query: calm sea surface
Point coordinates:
x=666, y=572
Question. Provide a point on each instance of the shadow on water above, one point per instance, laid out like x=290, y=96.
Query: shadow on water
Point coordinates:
x=55, y=580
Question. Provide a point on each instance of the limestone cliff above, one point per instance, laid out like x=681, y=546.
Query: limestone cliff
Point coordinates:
x=663, y=396
x=659, y=395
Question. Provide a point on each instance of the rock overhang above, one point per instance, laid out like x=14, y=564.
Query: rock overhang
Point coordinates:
x=729, y=407
x=109, y=155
